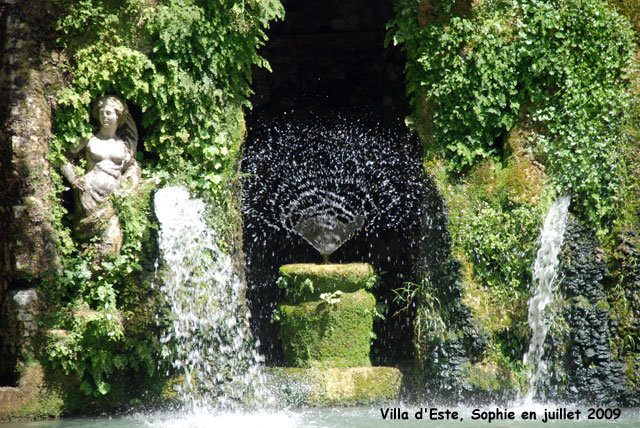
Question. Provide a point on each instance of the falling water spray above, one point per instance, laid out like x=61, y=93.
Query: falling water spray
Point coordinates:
x=544, y=277
x=209, y=339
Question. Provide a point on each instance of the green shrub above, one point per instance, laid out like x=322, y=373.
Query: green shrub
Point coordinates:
x=563, y=64
x=501, y=243
x=185, y=64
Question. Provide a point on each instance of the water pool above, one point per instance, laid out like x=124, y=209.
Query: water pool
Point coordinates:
x=359, y=417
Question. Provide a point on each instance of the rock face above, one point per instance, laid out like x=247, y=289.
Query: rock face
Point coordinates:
x=18, y=328
x=27, y=241
x=27, y=238
x=327, y=319
x=583, y=367
x=30, y=399
x=451, y=340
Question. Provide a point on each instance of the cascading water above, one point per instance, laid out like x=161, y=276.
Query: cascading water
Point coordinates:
x=345, y=183
x=209, y=333
x=544, y=275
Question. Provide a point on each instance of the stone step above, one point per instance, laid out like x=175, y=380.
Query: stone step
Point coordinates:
x=351, y=386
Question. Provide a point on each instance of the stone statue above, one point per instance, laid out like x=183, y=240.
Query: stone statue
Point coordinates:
x=110, y=161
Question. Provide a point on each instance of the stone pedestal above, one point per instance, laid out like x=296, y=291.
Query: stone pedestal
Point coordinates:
x=30, y=398
x=327, y=317
x=25, y=396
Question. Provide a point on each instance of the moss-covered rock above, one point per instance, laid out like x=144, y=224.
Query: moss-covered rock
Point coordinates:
x=488, y=381
x=327, y=317
x=31, y=399
x=579, y=347
x=307, y=281
x=328, y=333
x=336, y=386
x=523, y=178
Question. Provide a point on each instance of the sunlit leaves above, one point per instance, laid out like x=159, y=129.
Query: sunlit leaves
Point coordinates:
x=185, y=64
x=563, y=64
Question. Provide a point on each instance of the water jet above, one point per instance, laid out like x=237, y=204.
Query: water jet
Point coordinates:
x=340, y=185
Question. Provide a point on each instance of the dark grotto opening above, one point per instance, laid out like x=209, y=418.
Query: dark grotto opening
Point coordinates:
x=327, y=129
x=330, y=54
x=9, y=375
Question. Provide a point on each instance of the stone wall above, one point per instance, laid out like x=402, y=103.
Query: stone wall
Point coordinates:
x=20, y=311
x=26, y=234
x=25, y=133
x=452, y=343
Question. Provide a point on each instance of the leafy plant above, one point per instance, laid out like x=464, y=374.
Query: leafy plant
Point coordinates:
x=428, y=323
x=331, y=299
x=380, y=311
x=92, y=297
x=293, y=290
x=184, y=68
x=185, y=65
x=502, y=245
x=563, y=64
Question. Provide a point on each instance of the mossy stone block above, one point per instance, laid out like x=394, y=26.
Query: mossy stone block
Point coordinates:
x=489, y=378
x=335, y=386
x=31, y=399
x=325, y=278
x=323, y=334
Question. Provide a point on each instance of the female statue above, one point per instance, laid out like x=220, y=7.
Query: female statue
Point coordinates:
x=110, y=156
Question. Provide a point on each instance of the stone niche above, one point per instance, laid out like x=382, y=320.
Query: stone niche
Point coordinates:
x=332, y=53
x=329, y=61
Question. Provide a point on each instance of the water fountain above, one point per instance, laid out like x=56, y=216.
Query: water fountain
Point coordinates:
x=329, y=177
x=544, y=277
x=327, y=183
x=337, y=184
x=341, y=185
x=209, y=329
x=326, y=224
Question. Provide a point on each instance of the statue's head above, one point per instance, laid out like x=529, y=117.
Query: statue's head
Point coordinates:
x=116, y=103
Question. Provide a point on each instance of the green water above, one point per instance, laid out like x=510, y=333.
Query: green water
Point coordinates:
x=350, y=418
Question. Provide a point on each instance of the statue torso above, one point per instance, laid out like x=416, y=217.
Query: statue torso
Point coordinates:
x=108, y=155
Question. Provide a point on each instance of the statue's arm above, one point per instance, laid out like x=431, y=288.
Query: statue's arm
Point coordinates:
x=131, y=170
x=128, y=160
x=74, y=151
x=67, y=169
x=68, y=172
